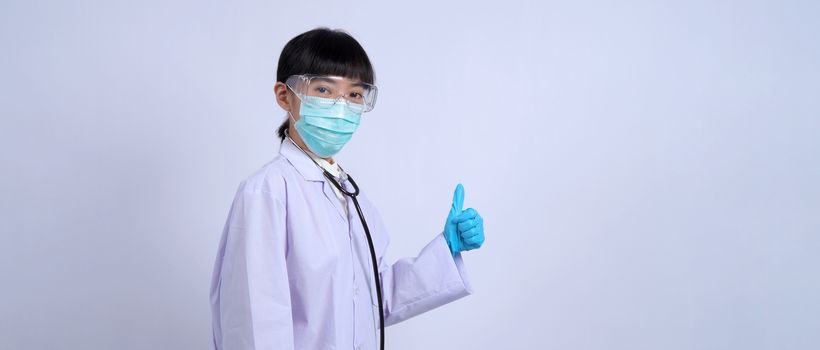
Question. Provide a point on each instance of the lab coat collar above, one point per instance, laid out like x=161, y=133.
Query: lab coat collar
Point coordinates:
x=311, y=172
x=301, y=161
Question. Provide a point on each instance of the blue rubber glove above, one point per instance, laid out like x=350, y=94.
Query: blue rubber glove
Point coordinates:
x=464, y=229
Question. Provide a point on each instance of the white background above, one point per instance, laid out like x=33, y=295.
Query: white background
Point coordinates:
x=647, y=170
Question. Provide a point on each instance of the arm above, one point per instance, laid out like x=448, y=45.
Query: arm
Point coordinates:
x=436, y=276
x=412, y=286
x=252, y=295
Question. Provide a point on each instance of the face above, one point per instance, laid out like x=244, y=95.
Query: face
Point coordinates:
x=323, y=91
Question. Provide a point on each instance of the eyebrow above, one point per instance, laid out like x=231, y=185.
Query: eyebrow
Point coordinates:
x=327, y=80
x=333, y=81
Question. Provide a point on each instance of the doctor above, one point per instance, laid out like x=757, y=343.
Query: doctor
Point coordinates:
x=293, y=269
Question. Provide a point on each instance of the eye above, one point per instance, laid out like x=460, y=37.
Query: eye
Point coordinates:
x=321, y=90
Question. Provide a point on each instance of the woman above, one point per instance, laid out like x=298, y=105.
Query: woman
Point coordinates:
x=294, y=270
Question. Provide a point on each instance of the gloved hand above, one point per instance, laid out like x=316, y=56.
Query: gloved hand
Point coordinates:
x=464, y=229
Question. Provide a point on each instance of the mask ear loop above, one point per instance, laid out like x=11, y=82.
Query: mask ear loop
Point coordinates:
x=287, y=133
x=290, y=115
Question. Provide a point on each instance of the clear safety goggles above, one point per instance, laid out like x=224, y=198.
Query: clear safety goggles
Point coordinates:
x=360, y=96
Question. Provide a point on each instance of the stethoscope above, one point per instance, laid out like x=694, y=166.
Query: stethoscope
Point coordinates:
x=344, y=176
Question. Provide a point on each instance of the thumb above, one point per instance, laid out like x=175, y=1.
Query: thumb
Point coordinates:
x=458, y=200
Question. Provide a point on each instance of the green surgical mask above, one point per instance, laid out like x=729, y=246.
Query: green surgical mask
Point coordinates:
x=326, y=125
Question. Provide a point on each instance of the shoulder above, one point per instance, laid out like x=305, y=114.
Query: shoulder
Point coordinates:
x=271, y=178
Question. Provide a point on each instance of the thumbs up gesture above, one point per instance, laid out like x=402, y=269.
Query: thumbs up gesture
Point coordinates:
x=464, y=229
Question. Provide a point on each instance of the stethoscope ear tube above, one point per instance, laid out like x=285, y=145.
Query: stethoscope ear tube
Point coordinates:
x=374, y=261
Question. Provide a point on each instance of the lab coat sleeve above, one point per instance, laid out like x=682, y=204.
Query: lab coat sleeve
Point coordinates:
x=412, y=286
x=254, y=295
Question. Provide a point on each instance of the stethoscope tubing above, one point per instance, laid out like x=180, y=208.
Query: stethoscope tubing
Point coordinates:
x=353, y=195
x=374, y=262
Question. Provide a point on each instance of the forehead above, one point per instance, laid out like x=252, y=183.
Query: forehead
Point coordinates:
x=336, y=80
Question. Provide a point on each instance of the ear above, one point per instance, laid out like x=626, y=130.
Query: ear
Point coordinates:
x=283, y=95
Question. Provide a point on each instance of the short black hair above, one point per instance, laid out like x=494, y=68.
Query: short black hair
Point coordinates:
x=323, y=51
